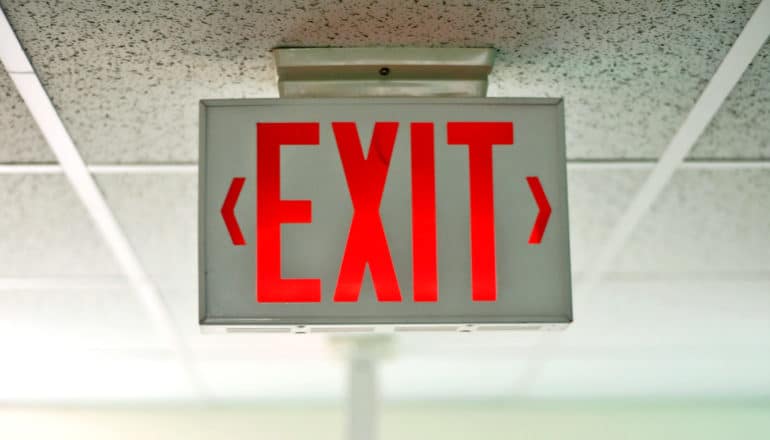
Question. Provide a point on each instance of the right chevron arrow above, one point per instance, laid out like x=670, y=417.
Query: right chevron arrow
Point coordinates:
x=545, y=210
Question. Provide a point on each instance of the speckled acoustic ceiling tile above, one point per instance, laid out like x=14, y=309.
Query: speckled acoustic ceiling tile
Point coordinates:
x=46, y=232
x=706, y=223
x=597, y=199
x=159, y=214
x=127, y=77
x=741, y=129
x=20, y=139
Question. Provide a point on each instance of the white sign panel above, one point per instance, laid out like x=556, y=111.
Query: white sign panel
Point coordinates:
x=391, y=211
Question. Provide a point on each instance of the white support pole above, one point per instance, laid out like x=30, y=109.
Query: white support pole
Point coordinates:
x=363, y=353
x=363, y=399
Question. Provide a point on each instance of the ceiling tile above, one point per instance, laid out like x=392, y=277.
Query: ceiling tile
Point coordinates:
x=629, y=72
x=705, y=223
x=159, y=214
x=629, y=339
x=127, y=78
x=49, y=322
x=703, y=318
x=597, y=199
x=20, y=139
x=661, y=338
x=741, y=128
x=46, y=231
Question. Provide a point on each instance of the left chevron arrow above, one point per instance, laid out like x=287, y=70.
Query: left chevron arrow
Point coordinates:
x=228, y=211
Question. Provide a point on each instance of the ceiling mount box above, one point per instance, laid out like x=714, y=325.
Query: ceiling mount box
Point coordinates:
x=398, y=71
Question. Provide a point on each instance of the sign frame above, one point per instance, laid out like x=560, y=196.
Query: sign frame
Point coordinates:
x=299, y=325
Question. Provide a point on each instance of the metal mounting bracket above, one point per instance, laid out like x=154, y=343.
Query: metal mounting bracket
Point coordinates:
x=372, y=72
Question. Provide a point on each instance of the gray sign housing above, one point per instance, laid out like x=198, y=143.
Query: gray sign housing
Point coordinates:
x=533, y=280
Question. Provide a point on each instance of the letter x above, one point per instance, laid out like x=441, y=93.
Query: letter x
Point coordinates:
x=367, y=243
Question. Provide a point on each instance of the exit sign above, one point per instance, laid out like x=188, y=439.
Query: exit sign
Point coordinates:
x=388, y=211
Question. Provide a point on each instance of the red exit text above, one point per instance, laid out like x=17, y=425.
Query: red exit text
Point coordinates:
x=366, y=177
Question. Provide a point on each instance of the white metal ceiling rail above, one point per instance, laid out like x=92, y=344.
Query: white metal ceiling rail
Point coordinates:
x=42, y=110
x=727, y=75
